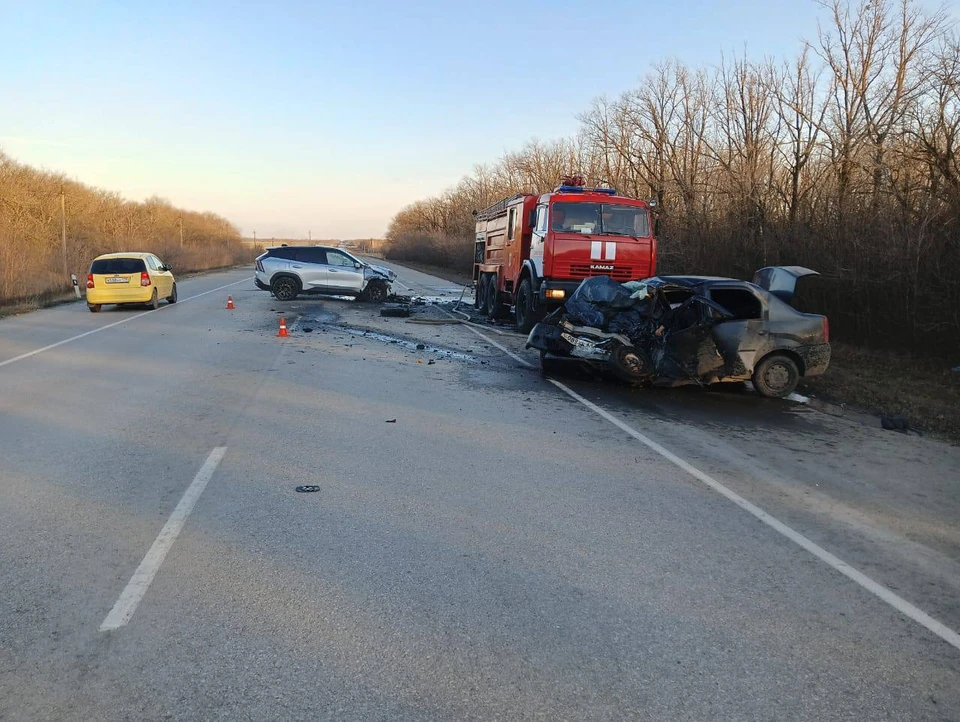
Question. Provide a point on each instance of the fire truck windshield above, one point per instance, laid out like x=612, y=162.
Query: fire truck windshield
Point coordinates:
x=601, y=219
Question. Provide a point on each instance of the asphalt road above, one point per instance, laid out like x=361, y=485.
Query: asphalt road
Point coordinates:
x=486, y=543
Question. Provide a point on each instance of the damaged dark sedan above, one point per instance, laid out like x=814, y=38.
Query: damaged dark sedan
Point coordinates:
x=677, y=330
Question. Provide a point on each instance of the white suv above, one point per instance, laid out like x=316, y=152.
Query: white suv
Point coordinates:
x=288, y=271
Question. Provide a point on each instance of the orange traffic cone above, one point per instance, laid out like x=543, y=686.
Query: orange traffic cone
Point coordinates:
x=230, y=305
x=283, y=329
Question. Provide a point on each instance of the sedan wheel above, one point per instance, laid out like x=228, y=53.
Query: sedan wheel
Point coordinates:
x=776, y=376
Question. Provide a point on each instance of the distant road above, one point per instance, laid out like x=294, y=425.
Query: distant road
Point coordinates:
x=485, y=543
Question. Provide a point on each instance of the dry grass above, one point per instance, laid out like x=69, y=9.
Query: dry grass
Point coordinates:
x=885, y=383
x=32, y=261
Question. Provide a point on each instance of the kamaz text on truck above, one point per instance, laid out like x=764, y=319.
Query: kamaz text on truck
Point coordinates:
x=532, y=251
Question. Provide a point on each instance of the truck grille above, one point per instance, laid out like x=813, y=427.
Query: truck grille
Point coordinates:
x=583, y=270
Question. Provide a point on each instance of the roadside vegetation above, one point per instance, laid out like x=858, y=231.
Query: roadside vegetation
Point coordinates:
x=32, y=266
x=843, y=159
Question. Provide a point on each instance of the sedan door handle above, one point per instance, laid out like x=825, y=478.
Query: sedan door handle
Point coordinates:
x=333, y=270
x=296, y=266
x=762, y=332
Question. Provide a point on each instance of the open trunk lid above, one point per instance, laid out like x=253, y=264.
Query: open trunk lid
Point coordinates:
x=781, y=281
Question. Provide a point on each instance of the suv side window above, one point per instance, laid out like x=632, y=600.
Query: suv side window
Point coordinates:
x=334, y=258
x=284, y=253
x=311, y=255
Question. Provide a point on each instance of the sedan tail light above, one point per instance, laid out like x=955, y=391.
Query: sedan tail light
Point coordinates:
x=826, y=330
x=144, y=278
x=89, y=280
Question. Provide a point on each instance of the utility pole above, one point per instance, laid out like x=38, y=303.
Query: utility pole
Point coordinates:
x=309, y=237
x=254, y=238
x=180, y=221
x=63, y=229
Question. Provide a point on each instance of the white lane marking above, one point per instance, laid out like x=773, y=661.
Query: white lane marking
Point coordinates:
x=137, y=586
x=469, y=326
x=30, y=354
x=897, y=602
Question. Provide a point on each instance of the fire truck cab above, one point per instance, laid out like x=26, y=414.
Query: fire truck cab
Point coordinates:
x=532, y=251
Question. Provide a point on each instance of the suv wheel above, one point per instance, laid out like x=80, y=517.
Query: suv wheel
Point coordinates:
x=285, y=288
x=376, y=292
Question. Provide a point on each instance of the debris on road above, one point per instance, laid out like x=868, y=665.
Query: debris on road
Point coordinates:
x=390, y=421
x=897, y=423
x=307, y=489
x=308, y=329
x=394, y=311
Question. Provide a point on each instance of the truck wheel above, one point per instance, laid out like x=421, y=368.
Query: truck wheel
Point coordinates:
x=776, y=376
x=526, y=317
x=480, y=300
x=494, y=307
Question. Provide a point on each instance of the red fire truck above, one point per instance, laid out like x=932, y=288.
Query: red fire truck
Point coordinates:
x=532, y=251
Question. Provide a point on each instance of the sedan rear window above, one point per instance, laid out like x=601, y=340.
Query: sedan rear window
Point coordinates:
x=107, y=266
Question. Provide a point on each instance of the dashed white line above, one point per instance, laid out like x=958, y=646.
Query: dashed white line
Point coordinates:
x=128, y=319
x=894, y=600
x=137, y=587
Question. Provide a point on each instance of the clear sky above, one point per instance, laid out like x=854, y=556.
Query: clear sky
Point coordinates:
x=289, y=116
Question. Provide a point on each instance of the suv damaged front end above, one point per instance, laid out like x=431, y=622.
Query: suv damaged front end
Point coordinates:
x=371, y=272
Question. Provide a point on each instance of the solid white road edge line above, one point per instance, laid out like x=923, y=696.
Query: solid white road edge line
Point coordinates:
x=30, y=354
x=140, y=581
x=897, y=602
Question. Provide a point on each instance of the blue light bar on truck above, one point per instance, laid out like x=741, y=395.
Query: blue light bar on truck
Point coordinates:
x=581, y=189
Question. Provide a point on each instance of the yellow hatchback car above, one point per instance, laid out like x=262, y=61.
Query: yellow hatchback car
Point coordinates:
x=122, y=278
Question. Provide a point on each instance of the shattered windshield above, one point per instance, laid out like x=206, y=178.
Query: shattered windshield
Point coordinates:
x=601, y=219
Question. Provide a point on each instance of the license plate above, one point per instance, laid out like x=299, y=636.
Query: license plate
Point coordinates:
x=117, y=280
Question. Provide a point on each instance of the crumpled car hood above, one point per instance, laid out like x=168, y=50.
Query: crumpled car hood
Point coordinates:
x=380, y=271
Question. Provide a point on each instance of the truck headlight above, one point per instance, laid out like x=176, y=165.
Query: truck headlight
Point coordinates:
x=555, y=293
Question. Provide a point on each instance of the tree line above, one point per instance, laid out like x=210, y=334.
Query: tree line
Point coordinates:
x=97, y=221
x=842, y=158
